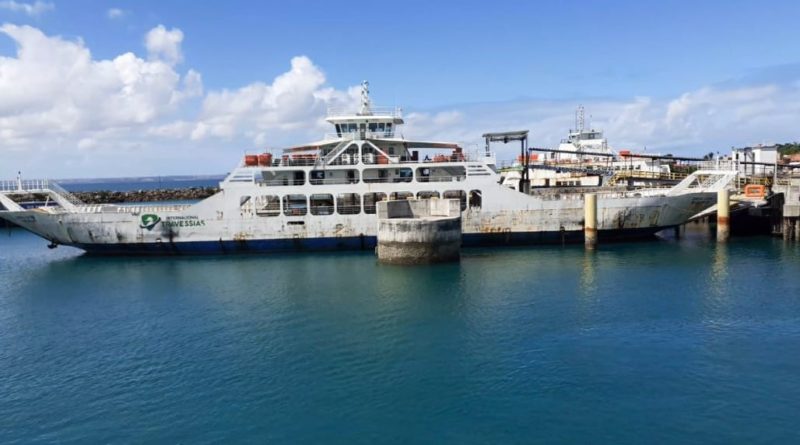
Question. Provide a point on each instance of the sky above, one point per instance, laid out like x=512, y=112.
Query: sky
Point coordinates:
x=145, y=88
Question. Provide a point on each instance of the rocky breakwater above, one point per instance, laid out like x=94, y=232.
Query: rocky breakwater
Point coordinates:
x=160, y=195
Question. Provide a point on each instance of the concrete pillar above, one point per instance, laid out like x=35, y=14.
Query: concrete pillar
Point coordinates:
x=797, y=229
x=723, y=216
x=590, y=220
x=786, y=228
x=419, y=231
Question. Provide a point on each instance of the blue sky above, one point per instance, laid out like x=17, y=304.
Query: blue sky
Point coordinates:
x=449, y=62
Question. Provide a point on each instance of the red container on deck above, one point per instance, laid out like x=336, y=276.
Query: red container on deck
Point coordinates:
x=250, y=160
x=624, y=152
x=265, y=159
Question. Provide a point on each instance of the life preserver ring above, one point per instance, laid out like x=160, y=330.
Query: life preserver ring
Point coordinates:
x=755, y=191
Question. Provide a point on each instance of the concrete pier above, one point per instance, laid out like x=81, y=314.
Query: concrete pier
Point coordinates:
x=723, y=216
x=419, y=231
x=590, y=220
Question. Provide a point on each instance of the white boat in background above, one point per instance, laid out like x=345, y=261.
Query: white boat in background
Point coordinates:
x=584, y=159
x=322, y=195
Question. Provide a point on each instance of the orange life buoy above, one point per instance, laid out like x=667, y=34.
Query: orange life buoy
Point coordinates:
x=755, y=191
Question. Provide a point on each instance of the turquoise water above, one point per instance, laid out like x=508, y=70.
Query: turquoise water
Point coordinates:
x=656, y=342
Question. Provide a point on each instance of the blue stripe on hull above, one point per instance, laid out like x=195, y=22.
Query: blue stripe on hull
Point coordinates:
x=350, y=243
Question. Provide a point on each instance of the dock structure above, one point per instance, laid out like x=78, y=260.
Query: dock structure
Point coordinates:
x=790, y=216
x=419, y=231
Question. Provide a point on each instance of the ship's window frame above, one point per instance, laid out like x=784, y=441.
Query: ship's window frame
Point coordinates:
x=291, y=207
x=375, y=198
x=262, y=205
x=282, y=178
x=354, y=206
x=396, y=196
x=321, y=204
x=428, y=194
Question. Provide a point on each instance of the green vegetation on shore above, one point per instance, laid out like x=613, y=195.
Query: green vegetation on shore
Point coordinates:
x=788, y=148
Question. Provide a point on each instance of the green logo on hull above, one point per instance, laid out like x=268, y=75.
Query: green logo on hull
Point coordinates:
x=149, y=221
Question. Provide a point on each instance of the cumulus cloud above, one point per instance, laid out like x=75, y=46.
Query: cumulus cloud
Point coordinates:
x=163, y=44
x=56, y=95
x=294, y=100
x=31, y=9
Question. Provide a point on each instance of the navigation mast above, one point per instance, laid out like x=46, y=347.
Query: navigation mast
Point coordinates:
x=366, y=109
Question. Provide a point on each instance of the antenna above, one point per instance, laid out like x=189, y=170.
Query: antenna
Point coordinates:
x=580, y=119
x=365, y=103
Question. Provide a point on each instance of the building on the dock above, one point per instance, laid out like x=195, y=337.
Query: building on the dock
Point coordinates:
x=757, y=160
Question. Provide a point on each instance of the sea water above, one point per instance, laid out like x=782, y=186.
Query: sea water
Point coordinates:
x=669, y=341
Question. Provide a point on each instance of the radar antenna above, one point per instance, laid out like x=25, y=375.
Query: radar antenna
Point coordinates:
x=365, y=102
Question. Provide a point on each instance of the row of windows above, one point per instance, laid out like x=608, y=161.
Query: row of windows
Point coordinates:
x=375, y=127
x=369, y=176
x=343, y=203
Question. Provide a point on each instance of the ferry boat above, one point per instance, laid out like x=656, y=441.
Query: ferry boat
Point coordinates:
x=584, y=159
x=323, y=195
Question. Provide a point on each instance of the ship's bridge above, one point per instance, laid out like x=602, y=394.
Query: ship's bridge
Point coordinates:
x=369, y=122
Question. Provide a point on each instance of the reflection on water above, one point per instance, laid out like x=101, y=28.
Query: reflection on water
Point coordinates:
x=588, y=270
x=718, y=281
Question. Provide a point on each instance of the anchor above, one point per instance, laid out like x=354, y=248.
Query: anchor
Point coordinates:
x=52, y=245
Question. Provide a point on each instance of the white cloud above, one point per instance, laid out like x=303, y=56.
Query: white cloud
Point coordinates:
x=116, y=13
x=57, y=97
x=100, y=116
x=294, y=101
x=31, y=9
x=164, y=45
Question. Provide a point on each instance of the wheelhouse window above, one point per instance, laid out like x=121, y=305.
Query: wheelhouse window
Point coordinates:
x=348, y=203
x=370, y=200
x=321, y=204
x=295, y=205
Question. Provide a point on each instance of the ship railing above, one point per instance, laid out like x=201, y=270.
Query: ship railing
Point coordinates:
x=333, y=181
x=453, y=178
x=39, y=186
x=144, y=208
x=577, y=194
x=285, y=182
x=394, y=112
x=709, y=181
x=386, y=180
x=298, y=162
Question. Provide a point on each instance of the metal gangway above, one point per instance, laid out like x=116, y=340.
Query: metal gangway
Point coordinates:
x=46, y=187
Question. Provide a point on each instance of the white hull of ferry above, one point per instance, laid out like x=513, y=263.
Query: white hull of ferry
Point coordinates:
x=218, y=225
